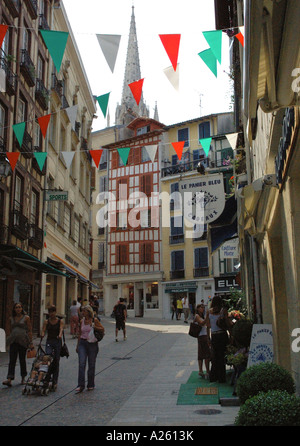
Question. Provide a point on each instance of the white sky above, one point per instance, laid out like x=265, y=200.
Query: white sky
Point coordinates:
x=153, y=17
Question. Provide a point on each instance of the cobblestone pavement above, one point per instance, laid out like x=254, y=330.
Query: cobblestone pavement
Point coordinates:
x=137, y=383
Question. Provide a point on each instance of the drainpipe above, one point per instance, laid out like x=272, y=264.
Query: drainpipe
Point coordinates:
x=256, y=280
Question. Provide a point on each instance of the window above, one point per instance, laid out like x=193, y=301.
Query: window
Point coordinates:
x=6, y=40
x=146, y=253
x=40, y=68
x=183, y=135
x=143, y=130
x=145, y=155
x=201, y=262
x=61, y=212
x=176, y=203
x=101, y=247
x=21, y=111
x=34, y=214
x=122, y=254
x=2, y=122
x=177, y=264
x=18, y=193
x=103, y=160
x=204, y=130
x=177, y=233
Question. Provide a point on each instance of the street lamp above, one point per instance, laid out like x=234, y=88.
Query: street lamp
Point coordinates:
x=5, y=168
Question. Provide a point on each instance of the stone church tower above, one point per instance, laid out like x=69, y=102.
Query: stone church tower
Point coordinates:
x=128, y=109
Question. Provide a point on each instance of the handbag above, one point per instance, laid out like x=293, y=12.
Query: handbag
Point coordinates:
x=64, y=351
x=31, y=353
x=195, y=329
x=95, y=335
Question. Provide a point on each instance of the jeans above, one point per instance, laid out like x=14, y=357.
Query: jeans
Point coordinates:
x=53, y=347
x=15, y=350
x=218, y=366
x=87, y=351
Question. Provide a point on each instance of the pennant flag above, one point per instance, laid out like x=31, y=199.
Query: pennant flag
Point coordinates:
x=103, y=102
x=109, y=44
x=19, y=130
x=173, y=76
x=214, y=39
x=2, y=80
x=232, y=138
x=68, y=158
x=72, y=113
x=205, y=142
x=210, y=60
x=96, y=155
x=240, y=38
x=55, y=42
x=178, y=147
x=124, y=152
x=3, y=29
x=12, y=158
x=44, y=122
x=151, y=150
x=171, y=44
x=40, y=158
x=136, y=89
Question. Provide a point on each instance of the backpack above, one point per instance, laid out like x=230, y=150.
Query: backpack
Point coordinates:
x=119, y=311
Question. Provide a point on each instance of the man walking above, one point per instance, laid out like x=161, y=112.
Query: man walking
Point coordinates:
x=120, y=312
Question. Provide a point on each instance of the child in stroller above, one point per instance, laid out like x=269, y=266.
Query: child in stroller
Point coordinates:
x=40, y=369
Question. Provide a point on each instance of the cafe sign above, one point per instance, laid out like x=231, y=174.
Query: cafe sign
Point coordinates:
x=56, y=195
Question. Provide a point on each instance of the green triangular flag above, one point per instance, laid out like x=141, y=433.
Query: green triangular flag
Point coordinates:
x=40, y=158
x=56, y=42
x=210, y=59
x=124, y=152
x=205, y=142
x=103, y=102
x=214, y=39
x=19, y=130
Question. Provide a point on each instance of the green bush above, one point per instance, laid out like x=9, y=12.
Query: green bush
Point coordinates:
x=242, y=331
x=273, y=408
x=262, y=378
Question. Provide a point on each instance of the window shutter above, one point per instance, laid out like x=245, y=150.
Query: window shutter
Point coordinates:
x=147, y=184
x=148, y=253
x=114, y=159
x=142, y=253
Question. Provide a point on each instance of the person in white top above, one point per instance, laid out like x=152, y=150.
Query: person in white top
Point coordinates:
x=203, y=341
x=186, y=308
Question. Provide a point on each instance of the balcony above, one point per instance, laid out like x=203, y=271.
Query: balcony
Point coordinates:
x=175, y=239
x=201, y=272
x=27, y=68
x=57, y=86
x=26, y=149
x=178, y=274
x=35, y=239
x=19, y=226
x=43, y=24
x=64, y=102
x=182, y=167
x=41, y=94
x=11, y=78
x=2, y=145
x=14, y=7
x=32, y=7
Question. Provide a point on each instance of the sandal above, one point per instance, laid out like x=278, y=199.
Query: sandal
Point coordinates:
x=91, y=388
x=7, y=383
x=79, y=389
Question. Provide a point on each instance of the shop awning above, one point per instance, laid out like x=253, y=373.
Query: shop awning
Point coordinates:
x=93, y=285
x=23, y=257
x=73, y=271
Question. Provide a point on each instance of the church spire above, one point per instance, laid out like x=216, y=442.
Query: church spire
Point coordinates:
x=132, y=74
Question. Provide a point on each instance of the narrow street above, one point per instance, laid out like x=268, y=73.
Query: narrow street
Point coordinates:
x=121, y=368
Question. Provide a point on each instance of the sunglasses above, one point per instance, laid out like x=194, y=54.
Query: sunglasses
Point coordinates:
x=18, y=306
x=51, y=311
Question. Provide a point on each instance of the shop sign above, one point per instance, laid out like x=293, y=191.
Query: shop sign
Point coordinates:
x=59, y=195
x=72, y=261
x=204, y=196
x=181, y=287
x=224, y=283
x=261, y=345
x=230, y=249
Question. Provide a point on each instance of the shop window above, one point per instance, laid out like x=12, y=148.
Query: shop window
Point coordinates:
x=152, y=295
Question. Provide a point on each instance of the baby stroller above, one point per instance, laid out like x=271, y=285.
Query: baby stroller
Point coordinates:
x=39, y=377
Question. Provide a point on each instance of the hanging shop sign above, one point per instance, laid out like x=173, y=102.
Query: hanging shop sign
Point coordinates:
x=261, y=345
x=56, y=195
x=230, y=249
x=203, y=198
x=225, y=283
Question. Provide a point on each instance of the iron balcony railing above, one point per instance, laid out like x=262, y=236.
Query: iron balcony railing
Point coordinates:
x=27, y=68
x=14, y=7
x=177, y=274
x=32, y=6
x=41, y=94
x=201, y=272
x=43, y=24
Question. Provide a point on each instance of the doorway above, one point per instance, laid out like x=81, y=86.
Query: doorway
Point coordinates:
x=140, y=304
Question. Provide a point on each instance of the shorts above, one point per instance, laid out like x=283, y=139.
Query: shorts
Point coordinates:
x=120, y=324
x=203, y=347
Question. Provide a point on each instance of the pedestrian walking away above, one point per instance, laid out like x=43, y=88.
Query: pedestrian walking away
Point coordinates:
x=219, y=339
x=74, y=319
x=54, y=327
x=120, y=313
x=174, y=308
x=186, y=308
x=179, y=308
x=18, y=341
x=203, y=341
x=87, y=348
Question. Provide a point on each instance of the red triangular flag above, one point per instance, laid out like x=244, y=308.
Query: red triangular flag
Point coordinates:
x=96, y=155
x=178, y=147
x=171, y=44
x=43, y=122
x=12, y=158
x=240, y=37
x=136, y=89
x=3, y=29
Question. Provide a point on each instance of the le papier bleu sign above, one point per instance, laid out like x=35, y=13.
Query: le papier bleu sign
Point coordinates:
x=203, y=197
x=261, y=345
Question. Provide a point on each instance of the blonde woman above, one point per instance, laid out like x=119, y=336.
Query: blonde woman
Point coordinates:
x=87, y=350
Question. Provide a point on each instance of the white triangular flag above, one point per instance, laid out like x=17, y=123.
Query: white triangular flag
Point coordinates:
x=109, y=44
x=72, y=113
x=2, y=81
x=151, y=150
x=232, y=138
x=68, y=158
x=173, y=76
